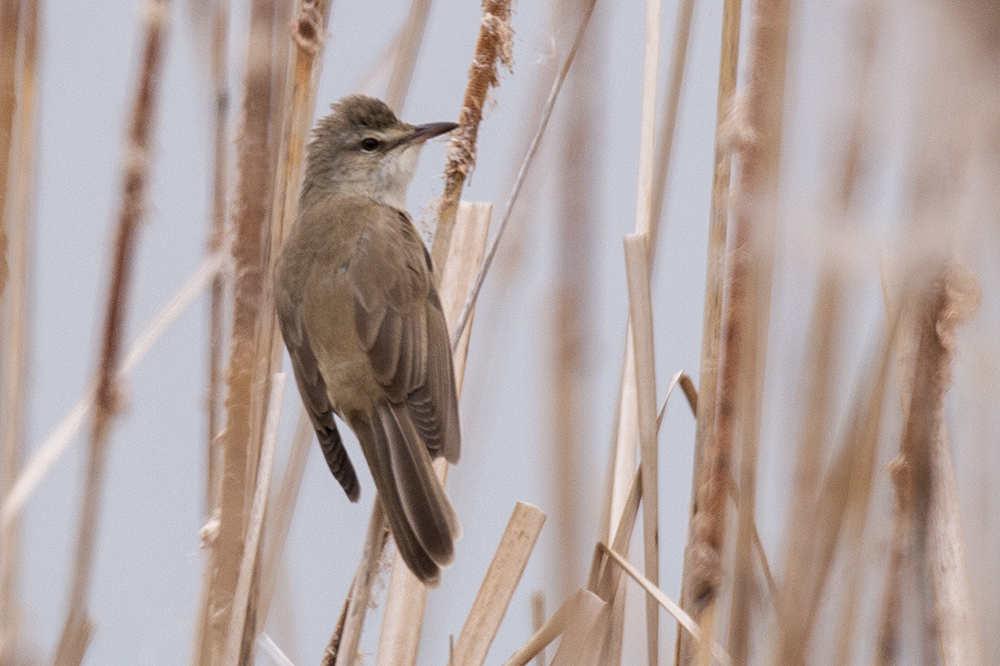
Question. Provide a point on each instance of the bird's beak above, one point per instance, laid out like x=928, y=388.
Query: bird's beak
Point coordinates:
x=423, y=132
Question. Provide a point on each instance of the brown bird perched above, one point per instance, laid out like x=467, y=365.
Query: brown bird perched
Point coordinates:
x=364, y=327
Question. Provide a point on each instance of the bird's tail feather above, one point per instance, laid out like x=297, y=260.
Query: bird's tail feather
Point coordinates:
x=423, y=522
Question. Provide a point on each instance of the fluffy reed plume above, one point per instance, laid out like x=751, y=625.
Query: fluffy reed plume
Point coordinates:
x=78, y=627
x=494, y=47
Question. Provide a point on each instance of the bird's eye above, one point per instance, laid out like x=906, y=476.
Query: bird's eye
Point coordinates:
x=369, y=145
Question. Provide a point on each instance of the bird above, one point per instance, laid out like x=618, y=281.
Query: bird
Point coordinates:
x=360, y=314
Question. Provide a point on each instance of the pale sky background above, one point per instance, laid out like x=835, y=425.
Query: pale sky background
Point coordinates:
x=148, y=566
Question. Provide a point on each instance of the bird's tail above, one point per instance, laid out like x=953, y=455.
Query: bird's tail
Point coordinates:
x=423, y=522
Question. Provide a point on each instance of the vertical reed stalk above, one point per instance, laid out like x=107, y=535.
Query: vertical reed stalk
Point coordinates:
x=217, y=294
x=711, y=331
x=78, y=627
x=641, y=317
x=10, y=19
x=577, y=185
x=16, y=384
x=748, y=287
x=246, y=386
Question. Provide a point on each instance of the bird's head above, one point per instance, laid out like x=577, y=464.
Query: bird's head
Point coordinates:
x=362, y=149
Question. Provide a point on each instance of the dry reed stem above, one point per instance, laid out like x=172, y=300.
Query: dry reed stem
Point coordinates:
x=927, y=520
x=537, y=621
x=609, y=586
x=748, y=286
x=246, y=384
x=552, y=628
x=407, y=49
x=685, y=620
x=343, y=647
x=626, y=427
x=406, y=599
x=16, y=384
x=641, y=317
x=216, y=240
x=240, y=641
x=958, y=631
x=605, y=581
x=711, y=336
x=580, y=628
x=529, y=157
x=10, y=19
x=62, y=436
x=671, y=104
x=107, y=400
x=279, y=519
x=501, y=580
x=494, y=46
x=577, y=201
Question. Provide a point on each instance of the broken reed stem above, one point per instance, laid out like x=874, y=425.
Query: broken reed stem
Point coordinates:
x=216, y=238
x=683, y=619
x=246, y=384
x=494, y=46
x=712, y=317
x=748, y=286
x=16, y=384
x=499, y=584
x=641, y=318
x=623, y=453
x=107, y=399
x=407, y=49
x=10, y=19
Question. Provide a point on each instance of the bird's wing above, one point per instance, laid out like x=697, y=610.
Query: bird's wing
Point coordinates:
x=401, y=326
x=312, y=388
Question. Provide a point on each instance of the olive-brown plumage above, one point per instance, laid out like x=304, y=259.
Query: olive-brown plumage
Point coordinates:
x=363, y=324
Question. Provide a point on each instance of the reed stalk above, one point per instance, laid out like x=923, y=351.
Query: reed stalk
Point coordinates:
x=216, y=238
x=18, y=314
x=10, y=20
x=78, y=626
x=246, y=387
x=407, y=48
x=493, y=48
